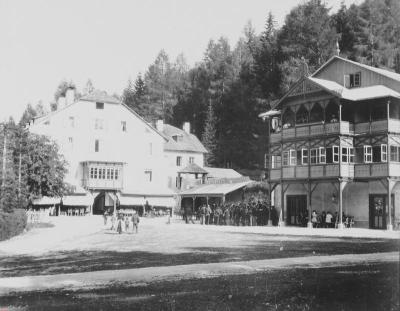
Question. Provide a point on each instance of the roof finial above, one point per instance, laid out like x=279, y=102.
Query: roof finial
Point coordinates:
x=337, y=47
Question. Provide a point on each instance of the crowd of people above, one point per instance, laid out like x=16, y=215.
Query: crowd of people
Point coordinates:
x=121, y=222
x=251, y=213
x=327, y=220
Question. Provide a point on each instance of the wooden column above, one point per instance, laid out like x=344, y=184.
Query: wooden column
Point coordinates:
x=282, y=220
x=341, y=186
x=309, y=194
x=390, y=185
x=270, y=204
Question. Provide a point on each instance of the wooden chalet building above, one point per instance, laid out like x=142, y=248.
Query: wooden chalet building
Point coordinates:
x=334, y=145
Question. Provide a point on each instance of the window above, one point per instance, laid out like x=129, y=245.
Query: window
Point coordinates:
x=96, y=145
x=99, y=124
x=178, y=161
x=108, y=174
x=335, y=154
x=304, y=156
x=71, y=142
x=383, y=153
x=351, y=154
x=367, y=154
x=91, y=172
x=292, y=157
x=99, y=105
x=322, y=155
x=191, y=160
x=148, y=174
x=394, y=153
x=95, y=173
x=355, y=79
x=345, y=155
x=177, y=138
x=314, y=156
x=123, y=126
x=103, y=176
x=71, y=121
x=116, y=174
x=275, y=161
x=285, y=158
x=112, y=174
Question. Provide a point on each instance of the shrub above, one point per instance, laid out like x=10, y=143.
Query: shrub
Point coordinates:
x=12, y=224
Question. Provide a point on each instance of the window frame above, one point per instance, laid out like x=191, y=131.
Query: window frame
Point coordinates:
x=149, y=173
x=99, y=105
x=97, y=145
x=292, y=157
x=178, y=161
x=123, y=126
x=335, y=154
x=322, y=155
x=285, y=158
x=367, y=153
x=384, y=153
x=304, y=156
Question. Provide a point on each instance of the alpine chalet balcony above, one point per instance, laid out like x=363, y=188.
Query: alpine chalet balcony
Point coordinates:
x=391, y=125
x=315, y=171
x=368, y=170
x=313, y=129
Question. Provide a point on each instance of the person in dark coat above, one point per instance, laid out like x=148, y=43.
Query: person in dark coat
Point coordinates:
x=135, y=222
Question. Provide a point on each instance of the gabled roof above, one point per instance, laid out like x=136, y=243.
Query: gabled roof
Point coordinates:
x=216, y=172
x=103, y=97
x=215, y=189
x=355, y=94
x=383, y=72
x=193, y=168
x=186, y=142
x=100, y=96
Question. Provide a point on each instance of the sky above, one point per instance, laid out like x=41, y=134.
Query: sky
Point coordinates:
x=109, y=41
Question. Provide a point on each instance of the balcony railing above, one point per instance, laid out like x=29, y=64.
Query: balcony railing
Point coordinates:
x=314, y=129
x=393, y=125
x=315, y=171
x=377, y=170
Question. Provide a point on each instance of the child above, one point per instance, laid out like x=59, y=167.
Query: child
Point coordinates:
x=126, y=224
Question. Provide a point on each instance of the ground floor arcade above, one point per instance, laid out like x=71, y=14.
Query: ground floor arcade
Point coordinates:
x=365, y=202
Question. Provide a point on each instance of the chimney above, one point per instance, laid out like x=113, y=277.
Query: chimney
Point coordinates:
x=69, y=96
x=160, y=125
x=61, y=102
x=186, y=127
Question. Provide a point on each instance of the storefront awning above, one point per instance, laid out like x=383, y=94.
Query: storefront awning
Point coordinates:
x=161, y=201
x=78, y=200
x=131, y=200
x=47, y=201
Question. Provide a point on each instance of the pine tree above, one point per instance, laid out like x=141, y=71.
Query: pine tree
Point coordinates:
x=209, y=137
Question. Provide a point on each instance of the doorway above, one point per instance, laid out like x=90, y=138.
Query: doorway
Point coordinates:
x=296, y=210
x=378, y=211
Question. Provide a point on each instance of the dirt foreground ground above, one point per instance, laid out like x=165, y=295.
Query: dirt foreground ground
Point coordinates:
x=82, y=255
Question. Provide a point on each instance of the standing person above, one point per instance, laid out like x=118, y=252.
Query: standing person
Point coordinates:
x=119, y=227
x=203, y=214
x=135, y=222
x=208, y=213
x=113, y=222
x=126, y=224
x=226, y=215
x=314, y=219
x=328, y=219
x=105, y=218
x=217, y=215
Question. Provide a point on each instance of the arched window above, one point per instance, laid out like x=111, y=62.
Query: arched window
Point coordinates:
x=288, y=118
x=316, y=113
x=332, y=112
x=301, y=115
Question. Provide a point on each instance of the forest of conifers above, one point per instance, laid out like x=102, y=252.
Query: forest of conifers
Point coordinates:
x=223, y=94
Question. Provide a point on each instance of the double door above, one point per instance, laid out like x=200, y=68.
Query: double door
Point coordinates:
x=296, y=210
x=378, y=211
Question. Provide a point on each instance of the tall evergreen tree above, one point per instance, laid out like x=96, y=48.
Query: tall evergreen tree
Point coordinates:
x=209, y=138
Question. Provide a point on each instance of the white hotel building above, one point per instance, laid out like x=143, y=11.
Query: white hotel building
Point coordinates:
x=114, y=156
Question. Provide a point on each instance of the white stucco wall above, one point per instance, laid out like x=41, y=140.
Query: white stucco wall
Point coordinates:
x=131, y=147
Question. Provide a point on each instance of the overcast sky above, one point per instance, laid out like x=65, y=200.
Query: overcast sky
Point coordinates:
x=45, y=41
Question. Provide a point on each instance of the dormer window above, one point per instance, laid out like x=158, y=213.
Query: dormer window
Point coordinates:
x=355, y=79
x=177, y=138
x=99, y=105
